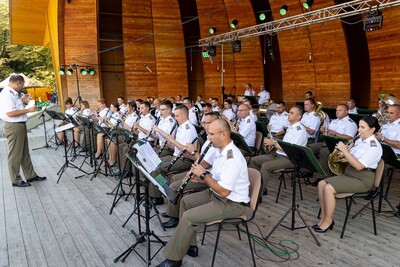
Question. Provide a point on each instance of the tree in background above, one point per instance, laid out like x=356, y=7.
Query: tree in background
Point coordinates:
x=33, y=61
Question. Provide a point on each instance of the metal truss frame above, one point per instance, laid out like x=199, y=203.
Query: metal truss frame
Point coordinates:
x=347, y=9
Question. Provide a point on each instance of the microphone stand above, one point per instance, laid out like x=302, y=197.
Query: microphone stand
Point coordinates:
x=46, y=143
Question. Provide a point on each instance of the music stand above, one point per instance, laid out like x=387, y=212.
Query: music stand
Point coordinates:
x=301, y=157
x=105, y=148
x=331, y=141
x=147, y=234
x=241, y=143
x=55, y=115
x=42, y=115
x=261, y=127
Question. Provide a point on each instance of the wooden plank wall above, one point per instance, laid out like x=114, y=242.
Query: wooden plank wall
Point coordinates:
x=81, y=46
x=170, y=65
x=327, y=75
x=384, y=53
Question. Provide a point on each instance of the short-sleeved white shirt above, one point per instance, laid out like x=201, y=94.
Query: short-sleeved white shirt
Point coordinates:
x=311, y=120
x=146, y=122
x=10, y=101
x=295, y=134
x=392, y=131
x=344, y=126
x=279, y=121
x=368, y=151
x=185, y=134
x=247, y=128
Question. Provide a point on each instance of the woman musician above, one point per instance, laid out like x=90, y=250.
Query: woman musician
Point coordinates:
x=109, y=120
x=70, y=111
x=84, y=112
x=359, y=175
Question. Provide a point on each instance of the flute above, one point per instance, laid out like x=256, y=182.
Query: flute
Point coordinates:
x=180, y=154
x=188, y=176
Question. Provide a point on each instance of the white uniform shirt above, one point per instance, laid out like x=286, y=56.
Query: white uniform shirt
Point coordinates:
x=166, y=124
x=106, y=112
x=193, y=116
x=146, y=122
x=131, y=118
x=123, y=109
x=216, y=109
x=311, y=120
x=230, y=171
x=115, y=119
x=344, y=126
x=253, y=116
x=353, y=111
x=295, y=134
x=234, y=108
x=279, y=121
x=368, y=151
x=10, y=101
x=264, y=97
x=157, y=113
x=71, y=112
x=229, y=114
x=247, y=128
x=211, y=153
x=250, y=92
x=86, y=112
x=392, y=131
x=185, y=134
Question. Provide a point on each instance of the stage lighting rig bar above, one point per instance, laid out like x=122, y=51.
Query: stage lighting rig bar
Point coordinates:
x=347, y=9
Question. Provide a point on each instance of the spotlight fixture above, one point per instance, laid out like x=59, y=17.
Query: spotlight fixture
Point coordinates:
x=262, y=16
x=373, y=20
x=83, y=71
x=204, y=53
x=212, y=30
x=236, y=46
x=90, y=70
x=70, y=71
x=234, y=23
x=283, y=10
x=61, y=71
x=307, y=4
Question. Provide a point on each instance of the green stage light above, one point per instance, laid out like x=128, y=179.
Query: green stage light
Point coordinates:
x=70, y=71
x=262, y=16
x=234, y=23
x=283, y=10
x=61, y=71
x=84, y=71
x=307, y=4
x=212, y=30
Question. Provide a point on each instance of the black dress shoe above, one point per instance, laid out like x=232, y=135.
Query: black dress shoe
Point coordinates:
x=265, y=192
x=315, y=226
x=157, y=200
x=320, y=230
x=165, y=215
x=37, y=179
x=170, y=263
x=193, y=251
x=315, y=183
x=171, y=223
x=22, y=184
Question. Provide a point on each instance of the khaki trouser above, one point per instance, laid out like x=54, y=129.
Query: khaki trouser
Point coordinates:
x=18, y=151
x=197, y=209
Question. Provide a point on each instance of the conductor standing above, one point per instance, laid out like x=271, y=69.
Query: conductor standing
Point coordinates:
x=14, y=115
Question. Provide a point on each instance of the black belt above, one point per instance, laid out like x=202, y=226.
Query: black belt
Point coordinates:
x=231, y=201
x=370, y=170
x=22, y=122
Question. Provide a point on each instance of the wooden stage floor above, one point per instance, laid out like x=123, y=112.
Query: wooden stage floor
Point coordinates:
x=68, y=224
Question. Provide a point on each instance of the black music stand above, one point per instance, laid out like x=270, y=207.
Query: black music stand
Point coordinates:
x=56, y=115
x=301, y=157
x=42, y=115
x=241, y=143
x=331, y=141
x=147, y=234
x=105, y=148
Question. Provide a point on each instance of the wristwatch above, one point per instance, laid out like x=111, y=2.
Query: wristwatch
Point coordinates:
x=203, y=175
x=383, y=139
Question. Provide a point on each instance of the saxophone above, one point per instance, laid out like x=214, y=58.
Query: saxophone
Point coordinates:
x=189, y=175
x=337, y=162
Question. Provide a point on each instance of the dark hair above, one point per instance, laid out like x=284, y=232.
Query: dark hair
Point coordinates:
x=167, y=103
x=312, y=101
x=249, y=84
x=132, y=104
x=16, y=78
x=68, y=100
x=208, y=105
x=228, y=101
x=139, y=100
x=121, y=97
x=214, y=115
x=281, y=103
x=116, y=105
x=300, y=110
x=345, y=106
x=372, y=122
x=215, y=99
x=309, y=92
x=183, y=108
x=146, y=103
x=188, y=99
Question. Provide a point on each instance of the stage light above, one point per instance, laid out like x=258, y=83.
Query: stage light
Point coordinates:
x=61, y=71
x=70, y=71
x=83, y=72
x=212, y=30
x=234, y=23
x=262, y=16
x=212, y=50
x=373, y=20
x=283, y=10
x=307, y=4
x=204, y=53
x=90, y=71
x=236, y=46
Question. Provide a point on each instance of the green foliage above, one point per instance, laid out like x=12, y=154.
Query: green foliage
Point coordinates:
x=33, y=61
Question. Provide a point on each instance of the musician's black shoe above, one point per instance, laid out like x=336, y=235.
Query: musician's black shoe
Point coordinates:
x=157, y=200
x=170, y=263
x=265, y=192
x=36, y=179
x=171, y=223
x=315, y=183
x=21, y=184
x=193, y=251
x=165, y=215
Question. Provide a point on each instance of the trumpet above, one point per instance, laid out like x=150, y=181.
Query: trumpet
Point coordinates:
x=269, y=148
x=188, y=176
x=337, y=162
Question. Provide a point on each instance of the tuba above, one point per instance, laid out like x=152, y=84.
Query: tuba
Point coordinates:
x=321, y=114
x=337, y=162
x=385, y=100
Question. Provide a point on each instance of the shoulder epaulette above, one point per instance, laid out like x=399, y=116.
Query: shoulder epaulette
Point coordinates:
x=372, y=143
x=350, y=120
x=229, y=154
x=187, y=126
x=171, y=120
x=248, y=120
x=298, y=128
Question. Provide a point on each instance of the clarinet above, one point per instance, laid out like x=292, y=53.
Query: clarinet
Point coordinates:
x=164, y=143
x=180, y=154
x=188, y=176
x=151, y=130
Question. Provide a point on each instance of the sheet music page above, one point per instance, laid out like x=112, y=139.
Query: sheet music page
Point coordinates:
x=147, y=156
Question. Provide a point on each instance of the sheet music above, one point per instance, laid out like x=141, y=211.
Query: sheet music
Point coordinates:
x=147, y=156
x=65, y=127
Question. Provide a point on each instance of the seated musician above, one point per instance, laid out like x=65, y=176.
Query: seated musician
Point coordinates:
x=228, y=111
x=246, y=126
x=249, y=91
x=358, y=176
x=234, y=106
x=214, y=104
x=342, y=127
x=185, y=134
x=87, y=113
x=156, y=111
x=143, y=127
x=390, y=133
x=309, y=94
x=206, y=109
x=279, y=121
x=177, y=179
x=229, y=192
x=310, y=120
x=114, y=122
x=351, y=104
x=264, y=95
x=253, y=116
x=103, y=115
x=193, y=115
x=70, y=111
x=123, y=108
x=295, y=134
x=168, y=125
